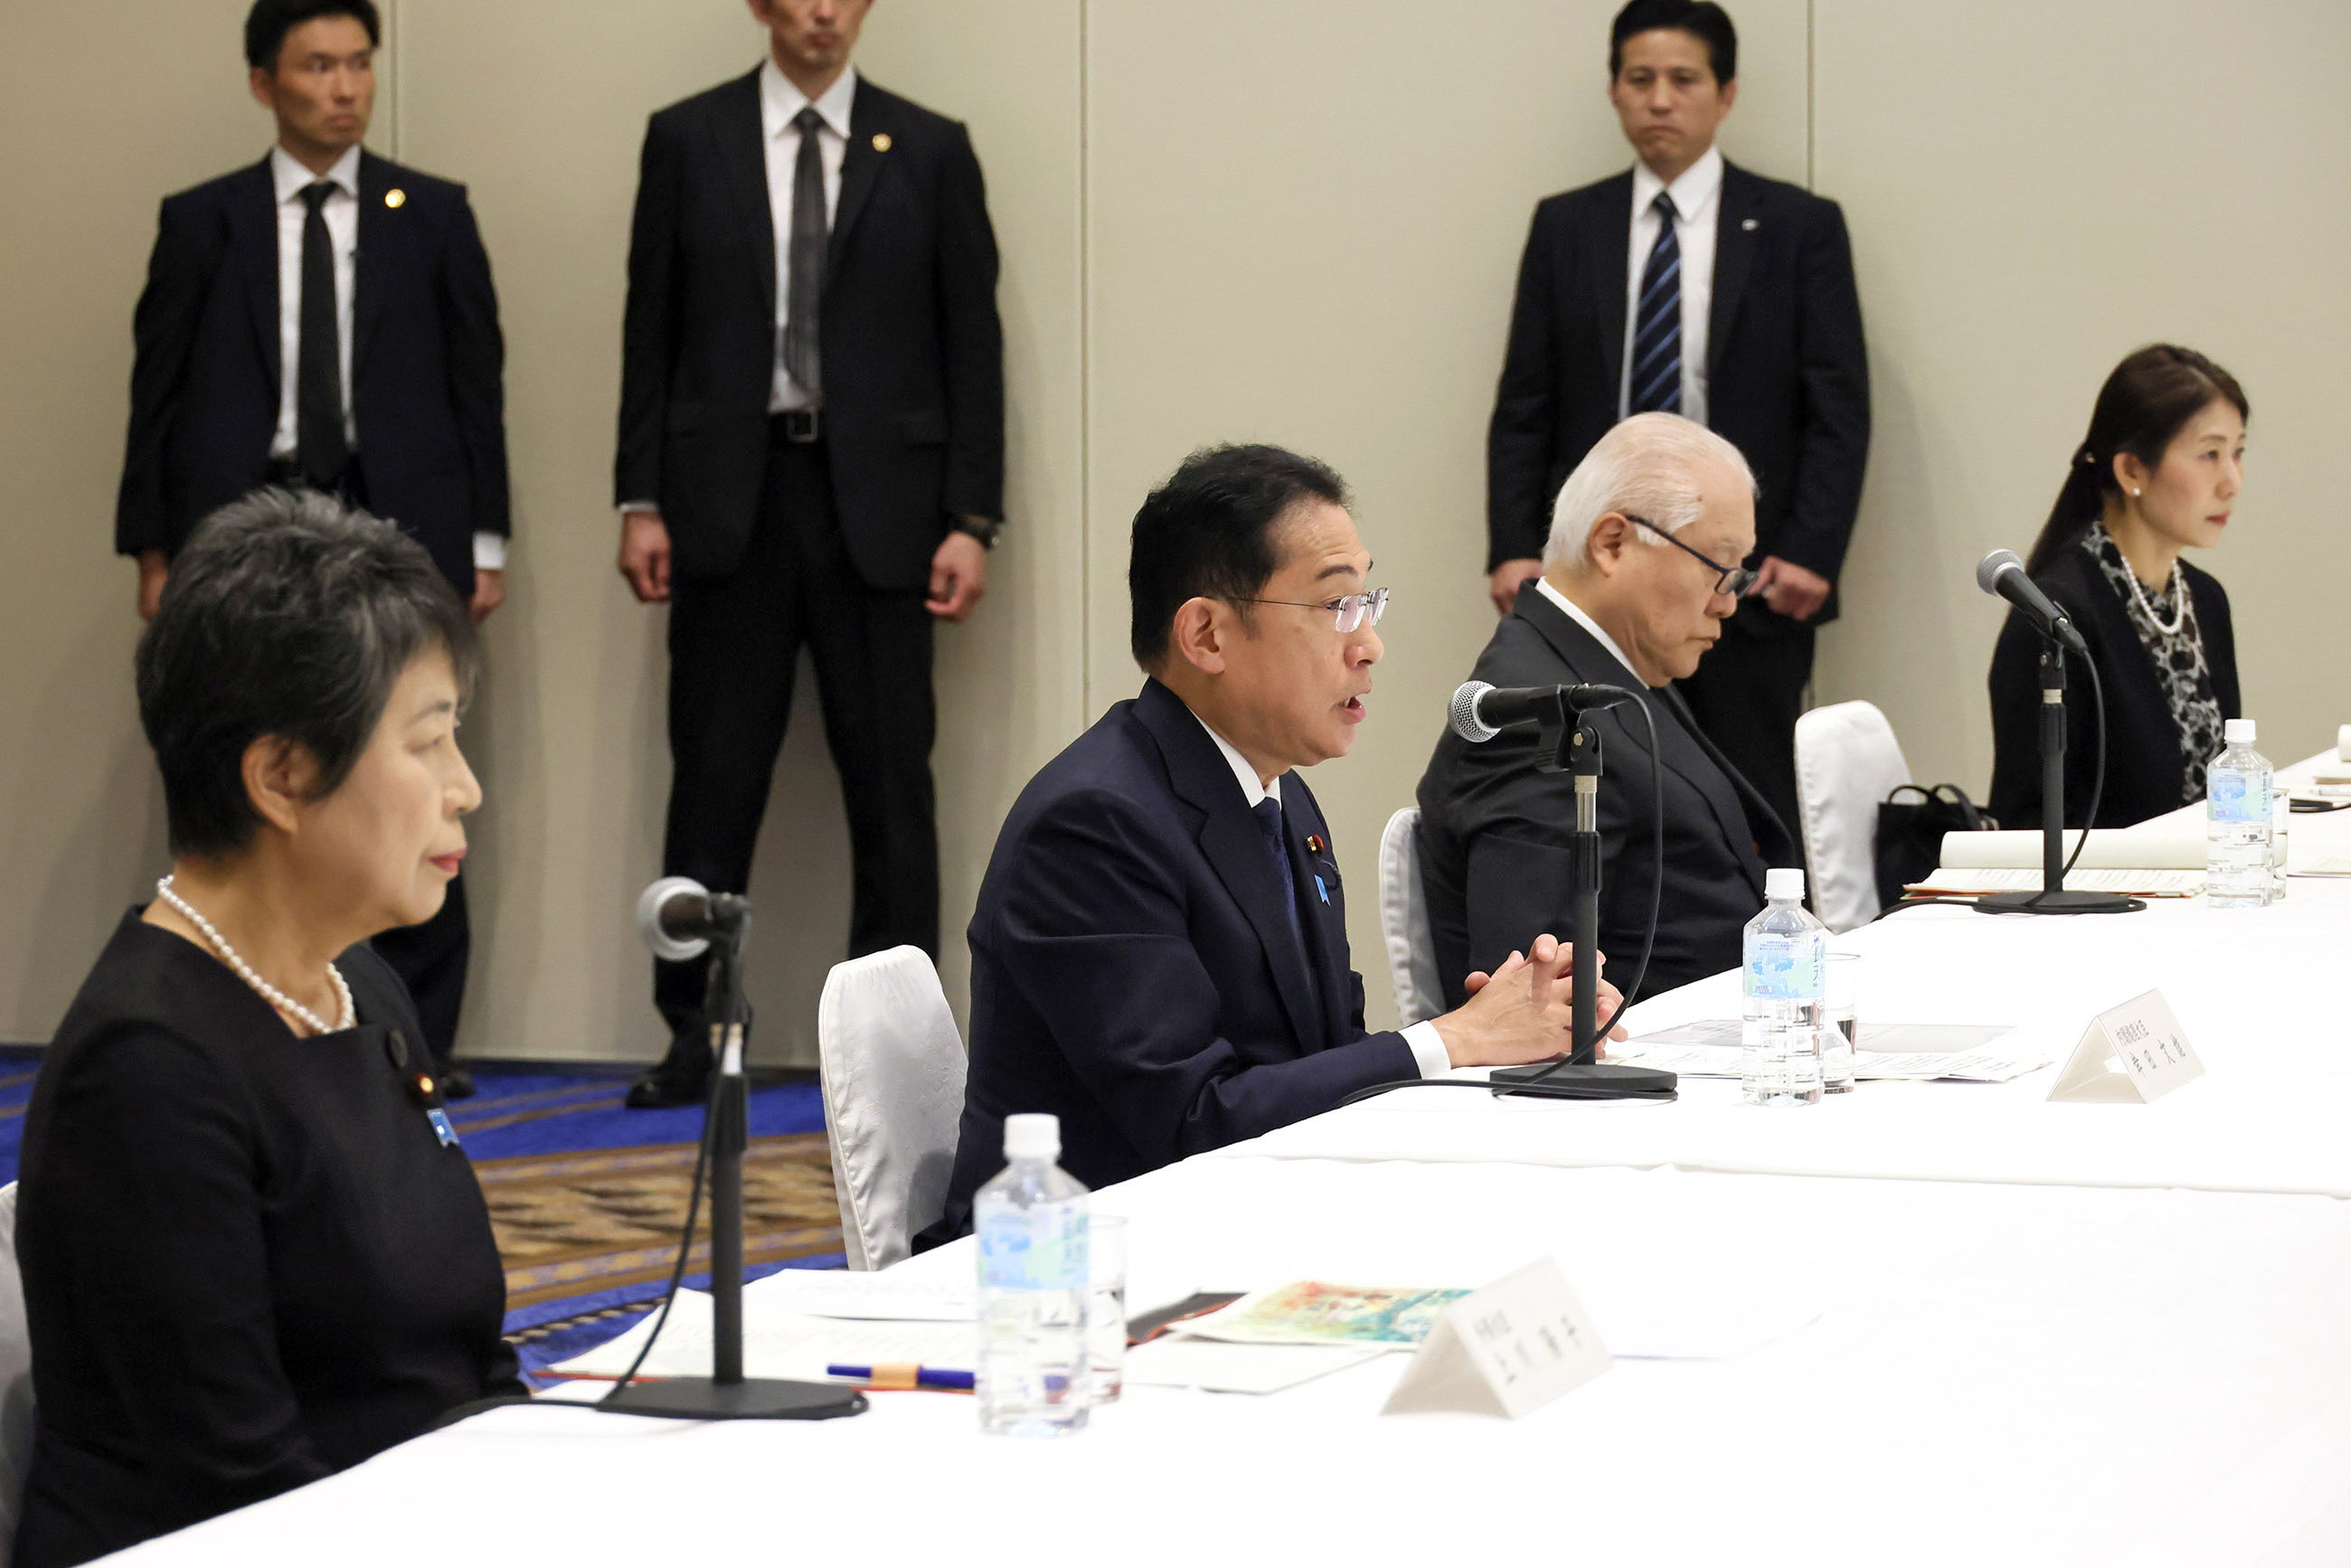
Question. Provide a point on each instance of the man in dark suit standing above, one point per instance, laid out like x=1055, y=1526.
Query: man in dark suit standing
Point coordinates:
x=1159, y=956
x=325, y=317
x=1641, y=577
x=812, y=453
x=1694, y=286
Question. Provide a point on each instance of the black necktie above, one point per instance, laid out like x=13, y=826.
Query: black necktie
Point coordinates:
x=319, y=447
x=1269, y=821
x=1656, y=356
x=810, y=230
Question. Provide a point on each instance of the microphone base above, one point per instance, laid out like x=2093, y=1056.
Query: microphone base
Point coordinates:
x=2063, y=902
x=744, y=1399
x=1586, y=1081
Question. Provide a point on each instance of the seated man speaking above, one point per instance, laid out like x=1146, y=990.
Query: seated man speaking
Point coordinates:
x=1641, y=570
x=1159, y=956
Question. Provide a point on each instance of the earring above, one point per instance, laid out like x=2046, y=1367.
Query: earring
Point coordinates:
x=2133, y=494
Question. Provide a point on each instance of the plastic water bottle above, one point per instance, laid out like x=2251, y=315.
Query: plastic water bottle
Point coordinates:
x=1034, y=1280
x=2238, y=828
x=1785, y=982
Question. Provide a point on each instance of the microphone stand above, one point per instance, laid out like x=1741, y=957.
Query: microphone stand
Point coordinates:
x=2054, y=898
x=1568, y=743
x=726, y=1394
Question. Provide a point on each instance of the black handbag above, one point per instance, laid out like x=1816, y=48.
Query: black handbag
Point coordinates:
x=1910, y=837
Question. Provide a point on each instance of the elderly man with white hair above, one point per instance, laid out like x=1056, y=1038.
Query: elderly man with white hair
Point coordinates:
x=1642, y=568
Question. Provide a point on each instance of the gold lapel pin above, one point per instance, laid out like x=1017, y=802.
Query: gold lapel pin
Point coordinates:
x=881, y=141
x=394, y=198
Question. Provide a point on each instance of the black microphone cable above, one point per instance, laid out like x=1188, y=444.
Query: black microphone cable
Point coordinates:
x=684, y=1242
x=1640, y=975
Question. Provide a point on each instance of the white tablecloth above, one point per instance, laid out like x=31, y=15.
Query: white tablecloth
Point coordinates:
x=2082, y=1334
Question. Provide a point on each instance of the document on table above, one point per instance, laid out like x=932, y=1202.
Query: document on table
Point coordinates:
x=1960, y=881
x=1174, y=1361
x=785, y=1345
x=1965, y=1052
x=839, y=1293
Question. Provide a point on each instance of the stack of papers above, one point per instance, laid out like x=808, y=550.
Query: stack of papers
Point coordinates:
x=1972, y=1053
x=1961, y=882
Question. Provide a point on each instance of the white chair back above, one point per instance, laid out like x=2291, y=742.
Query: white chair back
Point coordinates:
x=16, y=1380
x=1847, y=761
x=893, y=1067
x=1404, y=922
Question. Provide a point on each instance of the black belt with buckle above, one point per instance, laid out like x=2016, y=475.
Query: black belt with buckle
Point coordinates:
x=800, y=426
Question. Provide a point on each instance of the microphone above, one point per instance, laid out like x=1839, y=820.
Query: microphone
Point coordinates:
x=677, y=916
x=2001, y=574
x=1482, y=711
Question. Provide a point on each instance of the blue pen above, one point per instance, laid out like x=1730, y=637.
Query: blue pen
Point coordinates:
x=904, y=1374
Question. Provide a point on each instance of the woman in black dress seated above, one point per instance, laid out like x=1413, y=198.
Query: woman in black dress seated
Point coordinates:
x=2158, y=474
x=253, y=1252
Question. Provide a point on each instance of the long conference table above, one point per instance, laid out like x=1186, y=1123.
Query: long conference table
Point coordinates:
x=2032, y=1333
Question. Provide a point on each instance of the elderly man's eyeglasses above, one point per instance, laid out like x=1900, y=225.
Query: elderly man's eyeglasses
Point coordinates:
x=1735, y=580
x=1350, y=611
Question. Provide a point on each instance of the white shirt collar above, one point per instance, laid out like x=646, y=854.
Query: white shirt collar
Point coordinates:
x=290, y=177
x=783, y=101
x=1693, y=194
x=1575, y=612
x=1246, y=774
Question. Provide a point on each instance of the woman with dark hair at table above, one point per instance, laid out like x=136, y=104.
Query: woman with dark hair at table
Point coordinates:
x=2158, y=475
x=253, y=1252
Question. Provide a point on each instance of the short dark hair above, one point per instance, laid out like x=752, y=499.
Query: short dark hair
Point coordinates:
x=1207, y=533
x=266, y=25
x=2147, y=399
x=290, y=614
x=1703, y=20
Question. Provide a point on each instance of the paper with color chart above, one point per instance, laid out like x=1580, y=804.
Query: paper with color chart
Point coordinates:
x=1310, y=1311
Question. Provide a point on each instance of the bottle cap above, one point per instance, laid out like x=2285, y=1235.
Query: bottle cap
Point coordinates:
x=1036, y=1137
x=2238, y=731
x=1784, y=882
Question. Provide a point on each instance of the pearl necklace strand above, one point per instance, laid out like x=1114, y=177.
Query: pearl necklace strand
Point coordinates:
x=2179, y=611
x=269, y=993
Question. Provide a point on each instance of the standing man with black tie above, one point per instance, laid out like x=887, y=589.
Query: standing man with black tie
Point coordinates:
x=1692, y=286
x=325, y=319
x=812, y=453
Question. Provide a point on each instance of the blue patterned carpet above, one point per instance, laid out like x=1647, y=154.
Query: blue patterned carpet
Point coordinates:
x=587, y=1196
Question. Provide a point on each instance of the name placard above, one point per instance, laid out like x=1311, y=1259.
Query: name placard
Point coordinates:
x=2136, y=1052
x=1513, y=1347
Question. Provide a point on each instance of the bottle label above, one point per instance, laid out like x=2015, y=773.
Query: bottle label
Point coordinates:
x=1039, y=1249
x=2235, y=797
x=1781, y=968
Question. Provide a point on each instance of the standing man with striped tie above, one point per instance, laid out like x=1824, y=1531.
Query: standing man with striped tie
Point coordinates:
x=1692, y=286
x=811, y=454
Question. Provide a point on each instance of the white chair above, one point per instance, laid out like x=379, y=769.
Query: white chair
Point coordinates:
x=1847, y=761
x=1404, y=922
x=16, y=1380
x=893, y=1067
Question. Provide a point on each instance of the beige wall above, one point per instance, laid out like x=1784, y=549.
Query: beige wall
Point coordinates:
x=1287, y=220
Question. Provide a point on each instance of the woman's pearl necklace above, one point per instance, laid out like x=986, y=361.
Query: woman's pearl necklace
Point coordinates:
x=269, y=993
x=2179, y=612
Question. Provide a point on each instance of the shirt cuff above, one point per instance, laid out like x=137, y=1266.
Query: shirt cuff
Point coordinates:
x=1428, y=1051
x=489, y=552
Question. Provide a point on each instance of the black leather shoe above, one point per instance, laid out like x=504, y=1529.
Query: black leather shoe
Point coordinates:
x=680, y=1078
x=457, y=1083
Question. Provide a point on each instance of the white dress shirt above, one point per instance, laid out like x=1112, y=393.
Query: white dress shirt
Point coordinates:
x=341, y=213
x=1575, y=612
x=779, y=104
x=1429, y=1052
x=1697, y=205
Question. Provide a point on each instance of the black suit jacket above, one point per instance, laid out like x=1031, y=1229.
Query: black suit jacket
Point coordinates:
x=248, y=1259
x=1788, y=378
x=2145, y=770
x=426, y=365
x=914, y=356
x=1494, y=833
x=1133, y=970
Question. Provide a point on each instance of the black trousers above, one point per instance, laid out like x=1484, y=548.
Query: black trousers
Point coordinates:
x=1748, y=694
x=431, y=960
x=733, y=646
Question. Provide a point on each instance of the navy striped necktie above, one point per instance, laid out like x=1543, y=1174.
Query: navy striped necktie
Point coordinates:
x=1656, y=356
